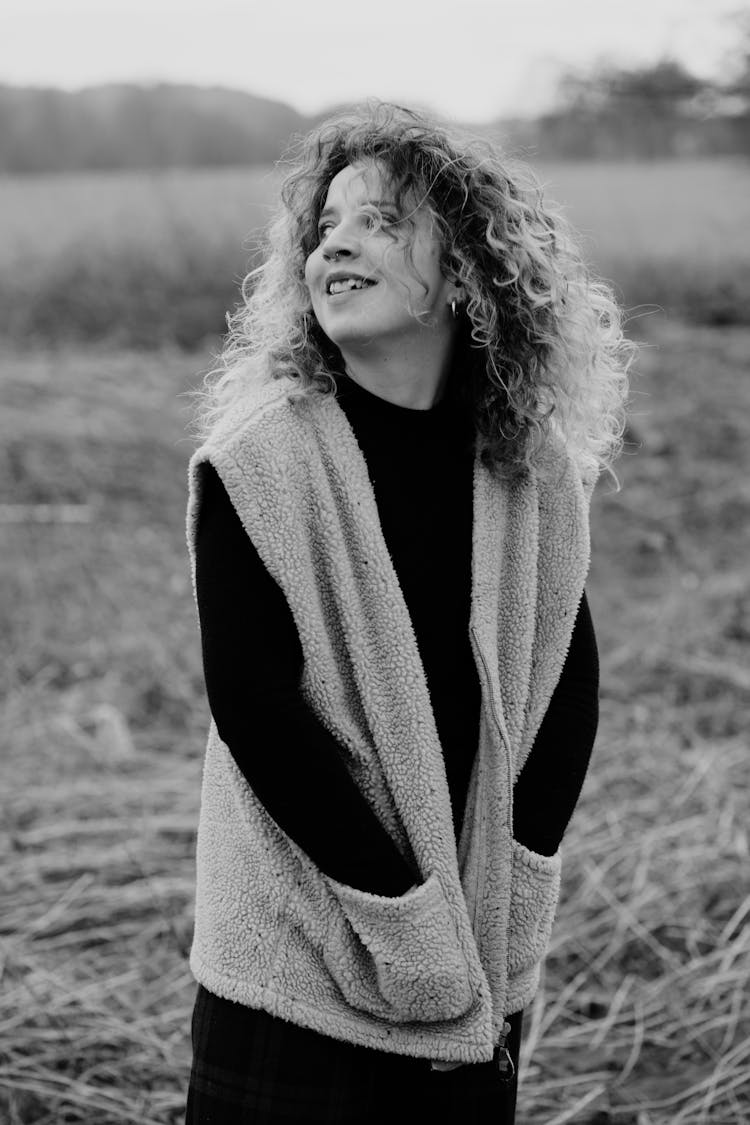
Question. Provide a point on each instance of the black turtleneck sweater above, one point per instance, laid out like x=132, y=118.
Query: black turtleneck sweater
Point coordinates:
x=420, y=463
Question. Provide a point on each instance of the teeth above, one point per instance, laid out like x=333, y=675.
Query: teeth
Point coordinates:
x=346, y=284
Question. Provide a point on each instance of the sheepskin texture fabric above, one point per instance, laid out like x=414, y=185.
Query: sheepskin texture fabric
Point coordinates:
x=434, y=972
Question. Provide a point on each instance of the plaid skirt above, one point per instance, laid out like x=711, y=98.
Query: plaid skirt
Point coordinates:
x=251, y=1067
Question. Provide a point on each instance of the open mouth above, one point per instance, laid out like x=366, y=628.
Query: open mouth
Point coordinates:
x=348, y=285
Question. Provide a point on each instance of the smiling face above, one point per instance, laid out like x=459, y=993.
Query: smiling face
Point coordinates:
x=400, y=292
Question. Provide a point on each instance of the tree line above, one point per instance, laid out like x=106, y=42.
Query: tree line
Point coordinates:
x=131, y=126
x=658, y=111
x=654, y=112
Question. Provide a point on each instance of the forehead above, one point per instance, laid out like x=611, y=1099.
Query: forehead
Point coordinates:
x=366, y=182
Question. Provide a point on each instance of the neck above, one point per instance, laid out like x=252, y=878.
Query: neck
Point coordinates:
x=414, y=377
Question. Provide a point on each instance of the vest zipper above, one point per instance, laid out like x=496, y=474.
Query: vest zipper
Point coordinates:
x=499, y=722
x=502, y=1057
x=479, y=885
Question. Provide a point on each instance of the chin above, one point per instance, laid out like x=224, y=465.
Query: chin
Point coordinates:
x=365, y=332
x=342, y=335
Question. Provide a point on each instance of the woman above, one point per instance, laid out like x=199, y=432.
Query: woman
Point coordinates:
x=388, y=531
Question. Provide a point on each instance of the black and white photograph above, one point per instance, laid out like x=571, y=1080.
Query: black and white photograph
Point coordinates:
x=375, y=599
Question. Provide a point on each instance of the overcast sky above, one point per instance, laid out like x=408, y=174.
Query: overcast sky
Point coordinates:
x=470, y=59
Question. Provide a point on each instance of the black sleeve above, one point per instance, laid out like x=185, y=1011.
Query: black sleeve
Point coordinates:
x=252, y=660
x=551, y=780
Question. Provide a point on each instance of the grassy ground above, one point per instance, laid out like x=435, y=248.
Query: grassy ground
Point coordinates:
x=644, y=1017
x=144, y=259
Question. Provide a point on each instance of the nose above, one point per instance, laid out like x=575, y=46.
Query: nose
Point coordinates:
x=340, y=242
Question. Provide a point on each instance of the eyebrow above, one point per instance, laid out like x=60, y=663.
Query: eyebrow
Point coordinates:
x=370, y=203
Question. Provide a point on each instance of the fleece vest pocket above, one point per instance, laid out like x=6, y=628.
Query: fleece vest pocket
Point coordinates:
x=398, y=958
x=535, y=889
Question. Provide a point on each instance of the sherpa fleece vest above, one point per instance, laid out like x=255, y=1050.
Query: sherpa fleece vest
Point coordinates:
x=431, y=973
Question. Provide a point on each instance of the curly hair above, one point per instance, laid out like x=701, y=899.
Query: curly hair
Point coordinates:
x=540, y=346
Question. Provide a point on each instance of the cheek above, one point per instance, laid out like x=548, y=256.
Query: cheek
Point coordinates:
x=314, y=266
x=399, y=264
x=427, y=260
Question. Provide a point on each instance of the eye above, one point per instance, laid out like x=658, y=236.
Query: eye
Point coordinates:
x=381, y=218
x=374, y=220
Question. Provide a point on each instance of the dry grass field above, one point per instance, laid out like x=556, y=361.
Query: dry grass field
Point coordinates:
x=644, y=1017
x=145, y=259
x=644, y=1014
